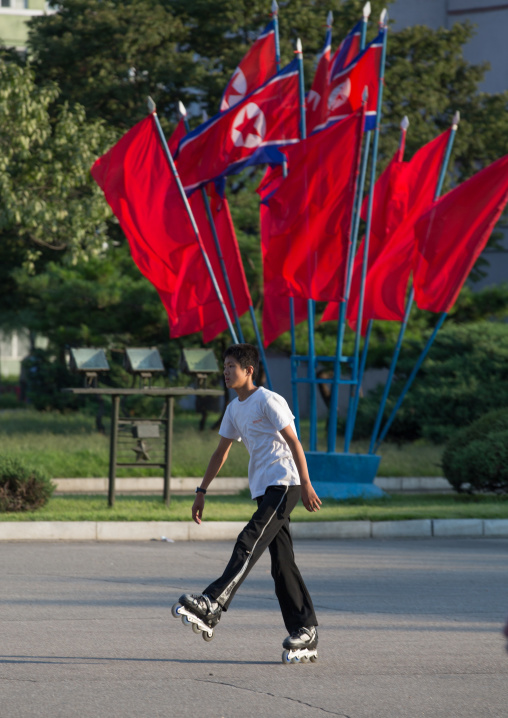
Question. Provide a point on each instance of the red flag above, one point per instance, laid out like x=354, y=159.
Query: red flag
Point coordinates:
x=276, y=309
x=140, y=189
x=453, y=233
x=243, y=134
x=258, y=65
x=345, y=93
x=389, y=210
x=276, y=315
x=215, y=322
x=316, y=101
x=348, y=49
x=310, y=214
x=403, y=192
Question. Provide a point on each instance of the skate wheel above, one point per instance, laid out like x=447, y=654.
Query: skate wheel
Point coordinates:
x=207, y=636
x=174, y=610
x=186, y=621
x=295, y=659
x=304, y=659
x=196, y=628
x=313, y=659
x=285, y=657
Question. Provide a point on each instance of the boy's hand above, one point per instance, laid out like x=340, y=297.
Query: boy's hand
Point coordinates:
x=310, y=499
x=197, y=508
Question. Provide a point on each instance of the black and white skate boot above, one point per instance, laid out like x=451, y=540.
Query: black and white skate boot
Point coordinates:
x=200, y=612
x=301, y=646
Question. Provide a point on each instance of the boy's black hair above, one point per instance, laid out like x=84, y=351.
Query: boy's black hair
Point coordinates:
x=246, y=355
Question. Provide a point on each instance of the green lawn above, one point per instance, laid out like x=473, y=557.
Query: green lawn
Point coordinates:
x=67, y=446
x=240, y=508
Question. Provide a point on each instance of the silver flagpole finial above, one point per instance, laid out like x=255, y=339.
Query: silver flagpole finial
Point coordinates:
x=181, y=109
x=367, y=10
x=329, y=19
x=299, y=45
x=151, y=105
x=404, y=123
x=275, y=7
x=456, y=120
x=383, y=18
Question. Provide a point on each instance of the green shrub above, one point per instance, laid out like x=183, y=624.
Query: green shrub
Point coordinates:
x=9, y=401
x=464, y=375
x=475, y=460
x=22, y=488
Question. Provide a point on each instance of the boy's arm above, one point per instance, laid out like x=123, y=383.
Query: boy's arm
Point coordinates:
x=215, y=464
x=310, y=499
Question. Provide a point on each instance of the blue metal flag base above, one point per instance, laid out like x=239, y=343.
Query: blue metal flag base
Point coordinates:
x=344, y=476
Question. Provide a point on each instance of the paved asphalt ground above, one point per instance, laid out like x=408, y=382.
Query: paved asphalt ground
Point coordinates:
x=408, y=629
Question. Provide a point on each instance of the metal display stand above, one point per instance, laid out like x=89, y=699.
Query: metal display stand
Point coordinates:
x=142, y=429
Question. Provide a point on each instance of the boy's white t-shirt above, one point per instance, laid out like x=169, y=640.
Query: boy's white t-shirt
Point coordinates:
x=257, y=422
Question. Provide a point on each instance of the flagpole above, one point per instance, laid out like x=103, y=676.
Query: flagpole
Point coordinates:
x=311, y=364
x=275, y=15
x=153, y=111
x=374, y=441
x=294, y=385
x=355, y=388
x=402, y=144
x=333, y=412
x=410, y=380
x=211, y=222
x=365, y=16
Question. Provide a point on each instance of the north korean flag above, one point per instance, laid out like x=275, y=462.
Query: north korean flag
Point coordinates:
x=347, y=51
x=317, y=100
x=315, y=106
x=245, y=134
x=347, y=85
x=258, y=65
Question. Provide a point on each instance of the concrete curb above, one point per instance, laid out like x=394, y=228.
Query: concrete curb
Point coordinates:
x=229, y=530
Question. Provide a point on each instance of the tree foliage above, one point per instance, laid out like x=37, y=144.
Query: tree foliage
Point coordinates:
x=48, y=202
x=108, y=55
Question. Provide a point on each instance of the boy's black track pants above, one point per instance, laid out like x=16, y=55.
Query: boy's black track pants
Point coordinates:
x=269, y=527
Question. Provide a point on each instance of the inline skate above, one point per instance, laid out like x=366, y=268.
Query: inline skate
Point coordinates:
x=301, y=646
x=200, y=612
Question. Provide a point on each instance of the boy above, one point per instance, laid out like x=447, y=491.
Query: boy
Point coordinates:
x=278, y=477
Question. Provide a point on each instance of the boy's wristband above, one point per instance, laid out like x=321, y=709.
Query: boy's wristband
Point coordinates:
x=199, y=490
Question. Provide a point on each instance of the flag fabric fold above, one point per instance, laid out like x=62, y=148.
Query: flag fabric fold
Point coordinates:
x=247, y=133
x=138, y=185
x=404, y=191
x=452, y=234
x=257, y=66
x=276, y=309
x=307, y=228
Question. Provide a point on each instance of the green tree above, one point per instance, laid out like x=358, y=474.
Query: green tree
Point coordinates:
x=102, y=300
x=110, y=55
x=48, y=202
